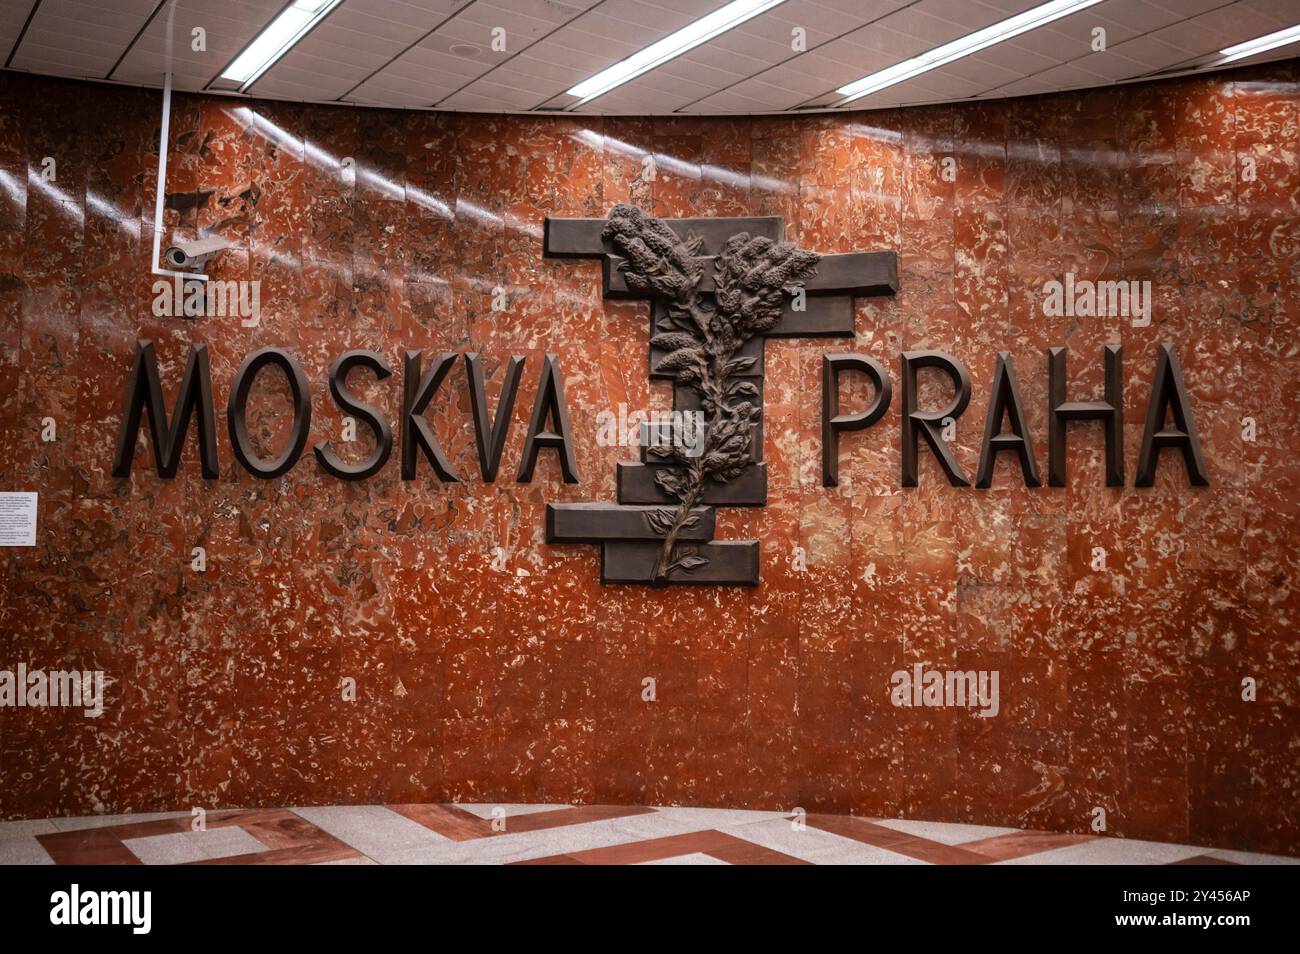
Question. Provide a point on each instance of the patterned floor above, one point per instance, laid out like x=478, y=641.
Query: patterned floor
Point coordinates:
x=562, y=834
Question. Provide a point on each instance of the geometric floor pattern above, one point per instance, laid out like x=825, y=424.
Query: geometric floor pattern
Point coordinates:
x=564, y=835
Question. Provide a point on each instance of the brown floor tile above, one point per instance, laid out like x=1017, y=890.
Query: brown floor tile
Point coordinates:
x=1021, y=843
x=290, y=839
x=452, y=821
x=869, y=833
x=717, y=844
x=1203, y=860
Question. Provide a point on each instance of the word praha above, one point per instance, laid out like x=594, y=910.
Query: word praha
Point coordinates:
x=549, y=427
x=1168, y=398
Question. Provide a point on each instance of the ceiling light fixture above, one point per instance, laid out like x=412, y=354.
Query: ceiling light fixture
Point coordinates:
x=965, y=46
x=1261, y=44
x=273, y=42
x=675, y=44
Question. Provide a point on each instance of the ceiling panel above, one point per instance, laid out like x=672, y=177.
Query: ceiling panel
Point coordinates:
x=1137, y=44
x=440, y=54
x=378, y=30
x=227, y=25
x=12, y=17
x=765, y=42
x=80, y=38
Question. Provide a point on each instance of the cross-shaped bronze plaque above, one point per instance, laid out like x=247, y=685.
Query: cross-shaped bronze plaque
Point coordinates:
x=718, y=287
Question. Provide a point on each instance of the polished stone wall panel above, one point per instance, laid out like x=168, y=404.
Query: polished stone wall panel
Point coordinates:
x=491, y=666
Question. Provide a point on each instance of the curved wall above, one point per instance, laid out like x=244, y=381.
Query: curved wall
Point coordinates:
x=492, y=666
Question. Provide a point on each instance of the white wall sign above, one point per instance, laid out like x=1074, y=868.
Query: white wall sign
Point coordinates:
x=17, y=519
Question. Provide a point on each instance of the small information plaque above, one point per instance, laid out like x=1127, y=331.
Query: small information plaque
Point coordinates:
x=17, y=519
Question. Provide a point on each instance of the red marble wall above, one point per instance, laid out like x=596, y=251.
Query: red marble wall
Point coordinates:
x=1119, y=689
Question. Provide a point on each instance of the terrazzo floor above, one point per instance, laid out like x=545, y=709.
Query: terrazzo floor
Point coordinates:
x=563, y=834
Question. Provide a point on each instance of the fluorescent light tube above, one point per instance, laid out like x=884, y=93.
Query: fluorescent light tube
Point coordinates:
x=1261, y=44
x=273, y=42
x=656, y=54
x=965, y=46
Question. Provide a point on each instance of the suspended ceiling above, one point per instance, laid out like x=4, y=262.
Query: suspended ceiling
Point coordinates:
x=439, y=53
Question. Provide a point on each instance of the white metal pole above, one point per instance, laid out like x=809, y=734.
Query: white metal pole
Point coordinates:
x=163, y=136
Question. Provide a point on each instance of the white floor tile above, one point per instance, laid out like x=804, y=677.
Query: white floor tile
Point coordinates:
x=183, y=847
x=813, y=844
x=23, y=850
x=521, y=846
x=486, y=809
x=82, y=822
x=694, y=858
x=1110, y=851
x=703, y=818
x=1250, y=857
x=25, y=828
x=946, y=833
x=355, y=860
x=373, y=830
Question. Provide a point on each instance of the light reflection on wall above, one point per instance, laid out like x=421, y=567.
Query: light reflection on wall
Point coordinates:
x=687, y=170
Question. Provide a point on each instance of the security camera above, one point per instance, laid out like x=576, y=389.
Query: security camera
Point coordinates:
x=194, y=254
